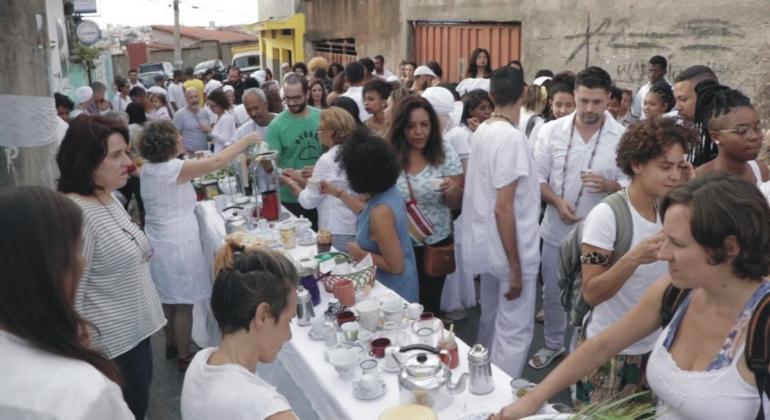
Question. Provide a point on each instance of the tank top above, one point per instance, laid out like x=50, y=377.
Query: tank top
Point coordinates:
x=719, y=392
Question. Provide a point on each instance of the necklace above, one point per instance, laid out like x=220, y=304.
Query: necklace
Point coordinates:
x=566, y=160
x=503, y=117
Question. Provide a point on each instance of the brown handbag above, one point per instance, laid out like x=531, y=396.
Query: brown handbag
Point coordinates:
x=439, y=260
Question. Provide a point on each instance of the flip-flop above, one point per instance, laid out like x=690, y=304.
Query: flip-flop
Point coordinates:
x=544, y=357
x=540, y=317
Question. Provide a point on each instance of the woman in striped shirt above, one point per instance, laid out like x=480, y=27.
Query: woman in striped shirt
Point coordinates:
x=116, y=293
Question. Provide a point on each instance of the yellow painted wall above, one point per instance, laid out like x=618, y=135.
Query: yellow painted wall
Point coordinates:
x=276, y=47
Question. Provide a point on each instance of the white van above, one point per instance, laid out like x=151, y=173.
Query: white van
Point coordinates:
x=248, y=62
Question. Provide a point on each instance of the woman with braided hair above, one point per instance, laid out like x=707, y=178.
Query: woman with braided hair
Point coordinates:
x=729, y=123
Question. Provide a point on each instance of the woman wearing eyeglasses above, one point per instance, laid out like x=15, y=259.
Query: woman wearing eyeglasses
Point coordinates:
x=731, y=122
x=116, y=294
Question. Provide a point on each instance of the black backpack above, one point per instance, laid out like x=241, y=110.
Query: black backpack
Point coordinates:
x=757, y=347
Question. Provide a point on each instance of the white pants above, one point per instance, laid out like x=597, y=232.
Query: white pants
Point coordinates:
x=555, y=318
x=506, y=326
x=459, y=291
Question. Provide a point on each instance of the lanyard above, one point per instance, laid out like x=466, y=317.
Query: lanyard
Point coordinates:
x=566, y=160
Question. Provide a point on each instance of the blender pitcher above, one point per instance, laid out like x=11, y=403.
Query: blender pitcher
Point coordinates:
x=268, y=183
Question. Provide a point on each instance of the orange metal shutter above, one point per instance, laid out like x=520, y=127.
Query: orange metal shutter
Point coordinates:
x=451, y=44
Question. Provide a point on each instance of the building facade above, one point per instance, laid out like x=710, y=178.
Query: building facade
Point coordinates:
x=618, y=35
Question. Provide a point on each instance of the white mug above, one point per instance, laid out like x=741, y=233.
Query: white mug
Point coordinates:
x=368, y=314
x=314, y=184
x=414, y=310
x=317, y=326
x=350, y=331
x=368, y=383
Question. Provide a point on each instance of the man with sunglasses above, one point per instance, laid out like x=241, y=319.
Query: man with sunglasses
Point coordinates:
x=294, y=135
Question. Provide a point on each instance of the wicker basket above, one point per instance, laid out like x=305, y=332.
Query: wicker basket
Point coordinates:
x=359, y=278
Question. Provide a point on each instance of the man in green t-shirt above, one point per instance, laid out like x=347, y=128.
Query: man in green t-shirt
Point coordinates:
x=294, y=135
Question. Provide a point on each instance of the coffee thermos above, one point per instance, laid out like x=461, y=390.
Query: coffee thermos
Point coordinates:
x=305, y=311
x=480, y=369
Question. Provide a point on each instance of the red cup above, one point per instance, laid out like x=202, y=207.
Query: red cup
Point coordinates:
x=346, y=316
x=378, y=347
x=345, y=292
x=426, y=316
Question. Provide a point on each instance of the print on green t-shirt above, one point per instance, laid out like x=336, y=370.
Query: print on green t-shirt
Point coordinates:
x=296, y=141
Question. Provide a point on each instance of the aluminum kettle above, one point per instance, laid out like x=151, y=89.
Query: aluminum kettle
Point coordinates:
x=424, y=379
x=234, y=222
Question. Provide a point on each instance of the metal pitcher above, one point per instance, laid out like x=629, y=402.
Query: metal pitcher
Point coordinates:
x=480, y=369
x=305, y=312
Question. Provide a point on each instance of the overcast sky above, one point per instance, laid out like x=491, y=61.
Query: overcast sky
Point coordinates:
x=159, y=12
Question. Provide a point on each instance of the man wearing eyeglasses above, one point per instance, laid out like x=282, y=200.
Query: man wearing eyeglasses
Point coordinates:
x=294, y=135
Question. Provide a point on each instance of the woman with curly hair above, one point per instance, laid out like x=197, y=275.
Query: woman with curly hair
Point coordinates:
x=610, y=360
x=431, y=174
x=659, y=100
x=178, y=266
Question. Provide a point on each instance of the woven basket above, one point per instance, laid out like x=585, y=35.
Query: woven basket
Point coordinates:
x=359, y=278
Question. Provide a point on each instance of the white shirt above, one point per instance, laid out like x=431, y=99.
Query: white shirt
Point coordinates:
x=385, y=74
x=38, y=385
x=333, y=214
x=227, y=391
x=356, y=93
x=138, y=83
x=249, y=127
x=599, y=231
x=460, y=140
x=176, y=95
x=120, y=104
x=240, y=115
x=550, y=155
x=499, y=156
x=223, y=131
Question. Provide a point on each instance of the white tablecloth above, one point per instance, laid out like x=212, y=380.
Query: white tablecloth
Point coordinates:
x=303, y=359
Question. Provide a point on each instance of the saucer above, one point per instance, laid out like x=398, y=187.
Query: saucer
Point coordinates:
x=358, y=392
x=386, y=368
x=314, y=337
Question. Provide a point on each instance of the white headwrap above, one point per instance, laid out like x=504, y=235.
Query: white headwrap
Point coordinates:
x=441, y=99
x=470, y=84
x=260, y=75
x=211, y=86
x=83, y=94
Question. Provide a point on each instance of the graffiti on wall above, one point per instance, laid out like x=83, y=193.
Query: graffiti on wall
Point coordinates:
x=694, y=35
x=636, y=72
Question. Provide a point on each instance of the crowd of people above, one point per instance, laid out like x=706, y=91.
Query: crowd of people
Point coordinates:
x=663, y=188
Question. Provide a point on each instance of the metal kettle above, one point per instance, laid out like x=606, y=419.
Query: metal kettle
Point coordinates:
x=424, y=379
x=234, y=221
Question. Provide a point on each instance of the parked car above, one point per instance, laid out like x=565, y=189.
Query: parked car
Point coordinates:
x=147, y=72
x=217, y=65
x=248, y=62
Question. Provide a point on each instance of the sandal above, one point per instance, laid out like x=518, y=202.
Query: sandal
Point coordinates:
x=544, y=357
x=540, y=317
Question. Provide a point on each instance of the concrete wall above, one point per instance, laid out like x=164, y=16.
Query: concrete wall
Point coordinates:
x=168, y=38
x=619, y=35
x=374, y=25
x=277, y=9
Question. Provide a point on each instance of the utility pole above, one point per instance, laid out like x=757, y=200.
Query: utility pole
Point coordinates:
x=177, y=42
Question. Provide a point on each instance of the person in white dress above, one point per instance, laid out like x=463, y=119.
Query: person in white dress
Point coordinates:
x=224, y=127
x=49, y=370
x=178, y=266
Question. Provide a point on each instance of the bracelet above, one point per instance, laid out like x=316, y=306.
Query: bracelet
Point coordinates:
x=595, y=258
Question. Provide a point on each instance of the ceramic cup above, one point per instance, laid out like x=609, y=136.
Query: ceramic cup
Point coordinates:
x=393, y=310
x=346, y=316
x=426, y=335
x=369, y=367
x=368, y=384
x=317, y=326
x=330, y=336
x=350, y=331
x=435, y=184
x=391, y=353
x=521, y=386
x=413, y=310
x=288, y=235
x=365, y=339
x=378, y=347
x=344, y=362
x=344, y=290
x=368, y=314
